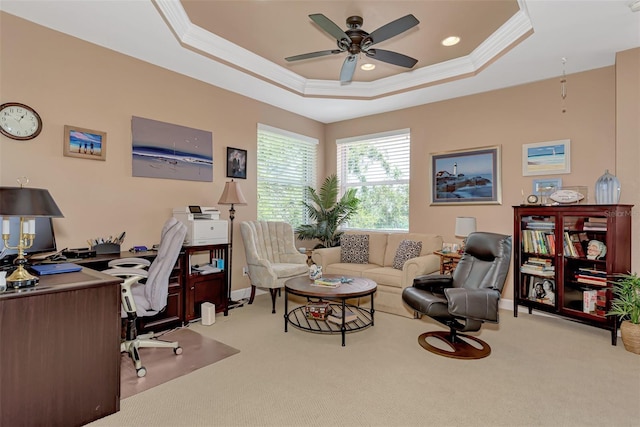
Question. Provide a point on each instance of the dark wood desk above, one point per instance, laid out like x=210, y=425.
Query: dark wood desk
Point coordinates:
x=60, y=351
x=187, y=289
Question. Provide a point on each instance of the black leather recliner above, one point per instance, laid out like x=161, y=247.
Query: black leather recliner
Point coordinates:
x=466, y=299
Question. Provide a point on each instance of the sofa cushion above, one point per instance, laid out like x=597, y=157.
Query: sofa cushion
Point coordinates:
x=348, y=269
x=430, y=243
x=354, y=248
x=408, y=249
x=385, y=276
x=377, y=245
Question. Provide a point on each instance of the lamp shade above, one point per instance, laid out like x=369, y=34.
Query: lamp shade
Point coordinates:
x=232, y=194
x=465, y=225
x=27, y=202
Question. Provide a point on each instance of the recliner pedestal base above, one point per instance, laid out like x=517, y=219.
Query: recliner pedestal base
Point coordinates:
x=460, y=349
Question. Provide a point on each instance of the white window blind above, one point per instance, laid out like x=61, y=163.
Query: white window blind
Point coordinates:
x=286, y=165
x=378, y=167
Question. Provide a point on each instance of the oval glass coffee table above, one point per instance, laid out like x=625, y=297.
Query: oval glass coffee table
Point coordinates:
x=336, y=298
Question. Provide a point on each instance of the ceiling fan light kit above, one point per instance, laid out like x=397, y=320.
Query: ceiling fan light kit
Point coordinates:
x=355, y=41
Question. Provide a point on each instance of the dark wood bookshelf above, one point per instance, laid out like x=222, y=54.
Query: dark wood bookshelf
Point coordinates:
x=553, y=270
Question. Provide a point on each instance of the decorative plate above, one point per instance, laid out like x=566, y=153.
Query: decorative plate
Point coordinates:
x=566, y=196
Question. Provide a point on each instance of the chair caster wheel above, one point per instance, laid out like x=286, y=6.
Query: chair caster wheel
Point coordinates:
x=177, y=350
x=141, y=372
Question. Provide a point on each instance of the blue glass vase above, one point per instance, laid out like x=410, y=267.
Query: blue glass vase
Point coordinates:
x=607, y=189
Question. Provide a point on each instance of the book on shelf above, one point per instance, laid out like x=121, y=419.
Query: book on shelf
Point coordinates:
x=591, y=276
x=327, y=282
x=591, y=281
x=592, y=272
x=601, y=302
x=536, y=272
x=336, y=317
x=589, y=298
x=540, y=242
x=595, y=224
x=538, y=267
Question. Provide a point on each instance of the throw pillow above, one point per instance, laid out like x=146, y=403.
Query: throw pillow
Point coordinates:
x=354, y=248
x=408, y=249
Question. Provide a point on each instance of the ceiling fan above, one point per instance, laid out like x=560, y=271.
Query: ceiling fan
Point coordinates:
x=354, y=40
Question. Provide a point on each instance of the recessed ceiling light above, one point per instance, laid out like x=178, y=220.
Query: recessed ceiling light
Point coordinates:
x=451, y=41
x=367, y=67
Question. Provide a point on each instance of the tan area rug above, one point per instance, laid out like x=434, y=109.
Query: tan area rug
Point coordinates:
x=162, y=365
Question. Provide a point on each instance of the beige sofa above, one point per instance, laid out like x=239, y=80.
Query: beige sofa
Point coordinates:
x=382, y=251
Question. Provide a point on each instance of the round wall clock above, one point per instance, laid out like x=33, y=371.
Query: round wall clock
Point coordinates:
x=19, y=121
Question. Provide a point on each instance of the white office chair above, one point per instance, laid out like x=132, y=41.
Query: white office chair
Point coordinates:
x=145, y=292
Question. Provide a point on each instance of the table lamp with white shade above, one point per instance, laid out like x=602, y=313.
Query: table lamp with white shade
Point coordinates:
x=465, y=225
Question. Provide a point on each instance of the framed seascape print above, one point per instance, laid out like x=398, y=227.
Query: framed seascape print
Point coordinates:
x=546, y=158
x=84, y=143
x=466, y=177
x=236, y=163
x=169, y=151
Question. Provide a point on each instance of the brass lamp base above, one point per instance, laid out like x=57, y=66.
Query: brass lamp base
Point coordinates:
x=21, y=278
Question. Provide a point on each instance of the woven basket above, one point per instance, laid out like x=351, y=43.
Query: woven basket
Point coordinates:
x=630, y=336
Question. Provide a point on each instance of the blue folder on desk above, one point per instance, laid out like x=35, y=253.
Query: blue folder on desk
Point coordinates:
x=46, y=269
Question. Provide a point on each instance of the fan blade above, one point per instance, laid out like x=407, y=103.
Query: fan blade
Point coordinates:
x=392, y=57
x=329, y=26
x=348, y=68
x=393, y=28
x=312, y=55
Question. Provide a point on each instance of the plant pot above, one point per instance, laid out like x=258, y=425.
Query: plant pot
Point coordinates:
x=630, y=336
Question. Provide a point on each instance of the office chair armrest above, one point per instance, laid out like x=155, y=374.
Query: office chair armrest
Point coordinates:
x=126, y=273
x=478, y=304
x=129, y=262
x=432, y=281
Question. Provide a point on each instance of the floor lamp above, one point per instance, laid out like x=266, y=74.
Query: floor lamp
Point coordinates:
x=232, y=195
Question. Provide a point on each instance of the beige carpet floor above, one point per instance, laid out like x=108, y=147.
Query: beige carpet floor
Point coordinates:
x=163, y=365
x=542, y=372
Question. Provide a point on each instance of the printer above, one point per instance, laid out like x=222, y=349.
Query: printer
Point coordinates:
x=204, y=226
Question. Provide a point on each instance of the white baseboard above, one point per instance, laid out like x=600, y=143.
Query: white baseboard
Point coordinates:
x=244, y=293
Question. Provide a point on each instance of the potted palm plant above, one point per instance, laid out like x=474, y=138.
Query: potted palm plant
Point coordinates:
x=328, y=213
x=626, y=305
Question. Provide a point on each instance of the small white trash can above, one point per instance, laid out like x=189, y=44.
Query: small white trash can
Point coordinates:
x=208, y=313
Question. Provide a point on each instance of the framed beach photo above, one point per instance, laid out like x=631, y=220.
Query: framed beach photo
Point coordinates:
x=84, y=143
x=548, y=185
x=466, y=177
x=236, y=163
x=546, y=158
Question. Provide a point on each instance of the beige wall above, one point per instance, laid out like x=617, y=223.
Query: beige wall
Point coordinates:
x=73, y=82
x=509, y=118
x=628, y=139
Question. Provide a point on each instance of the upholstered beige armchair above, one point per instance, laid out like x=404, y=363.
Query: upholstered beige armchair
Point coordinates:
x=272, y=257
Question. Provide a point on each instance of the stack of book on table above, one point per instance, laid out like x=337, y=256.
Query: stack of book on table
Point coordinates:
x=327, y=282
x=336, y=317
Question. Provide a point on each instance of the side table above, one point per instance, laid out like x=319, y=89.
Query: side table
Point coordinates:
x=448, y=261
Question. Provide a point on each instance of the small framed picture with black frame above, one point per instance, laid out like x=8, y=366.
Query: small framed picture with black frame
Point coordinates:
x=236, y=163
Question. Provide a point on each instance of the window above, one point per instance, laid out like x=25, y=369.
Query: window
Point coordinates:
x=286, y=166
x=377, y=166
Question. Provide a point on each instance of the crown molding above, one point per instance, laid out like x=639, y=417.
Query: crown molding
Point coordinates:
x=516, y=29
